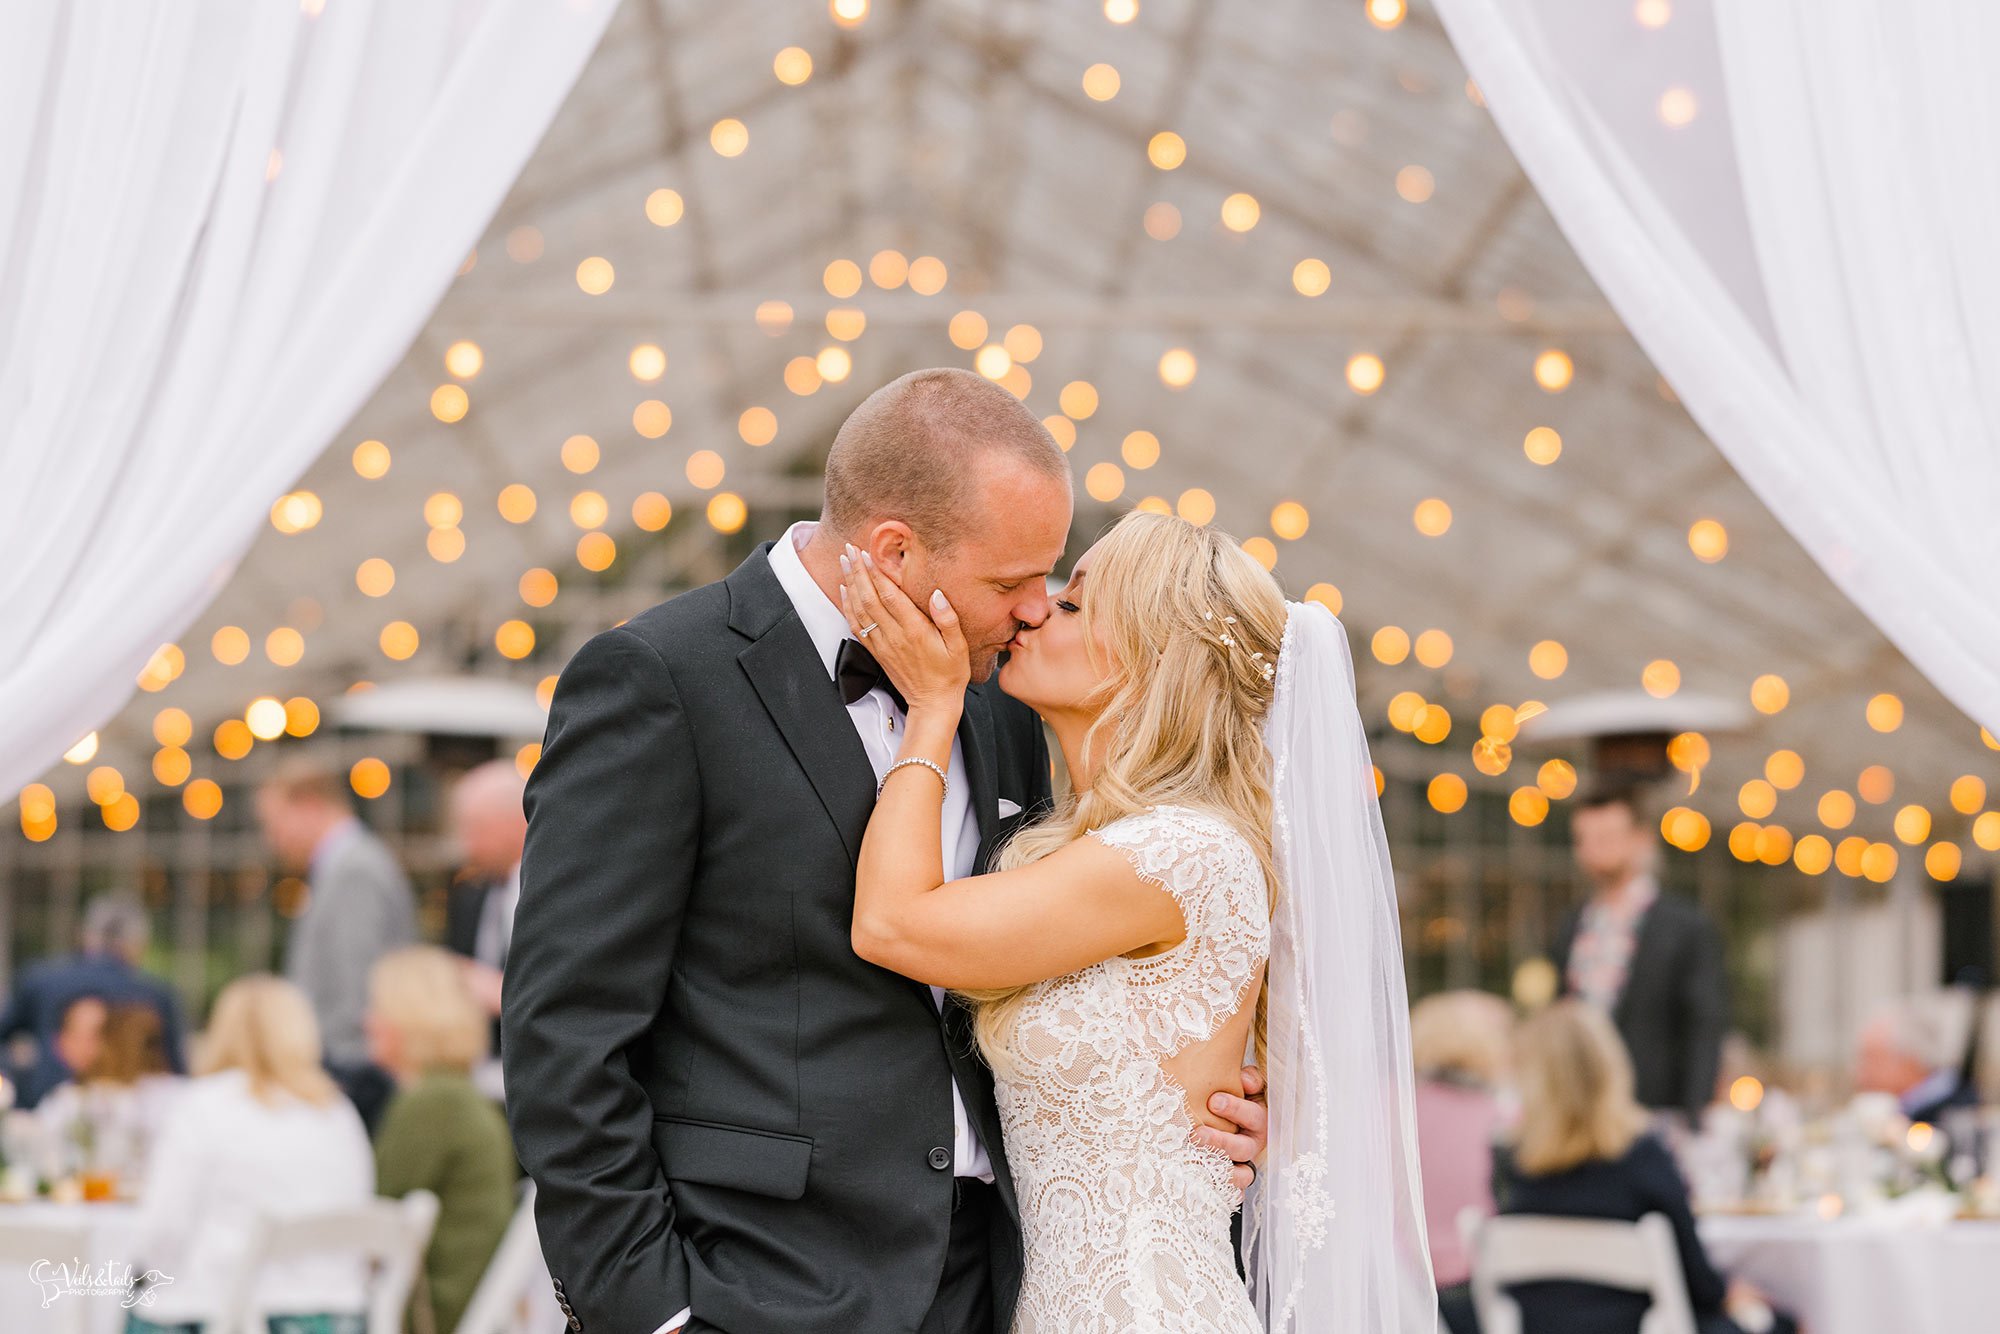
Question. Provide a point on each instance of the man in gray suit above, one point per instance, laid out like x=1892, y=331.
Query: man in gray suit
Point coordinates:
x=358, y=907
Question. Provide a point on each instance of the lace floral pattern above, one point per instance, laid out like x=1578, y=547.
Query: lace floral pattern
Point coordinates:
x=1125, y=1215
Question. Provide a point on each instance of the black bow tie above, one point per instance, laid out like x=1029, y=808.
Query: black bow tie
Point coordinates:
x=859, y=673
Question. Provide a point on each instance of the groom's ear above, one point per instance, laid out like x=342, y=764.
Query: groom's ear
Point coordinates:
x=890, y=542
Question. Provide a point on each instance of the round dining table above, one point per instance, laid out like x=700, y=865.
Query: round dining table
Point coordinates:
x=1866, y=1274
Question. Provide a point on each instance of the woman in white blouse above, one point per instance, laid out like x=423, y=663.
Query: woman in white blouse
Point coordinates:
x=261, y=1131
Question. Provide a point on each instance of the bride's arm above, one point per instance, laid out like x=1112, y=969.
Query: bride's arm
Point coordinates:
x=1077, y=906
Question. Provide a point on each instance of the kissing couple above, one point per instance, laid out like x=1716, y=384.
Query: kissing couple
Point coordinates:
x=825, y=1013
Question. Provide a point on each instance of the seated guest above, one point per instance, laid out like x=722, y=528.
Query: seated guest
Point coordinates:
x=124, y=1093
x=440, y=1133
x=263, y=1131
x=75, y=1047
x=115, y=934
x=1580, y=1152
x=1459, y=1040
x=1915, y=1048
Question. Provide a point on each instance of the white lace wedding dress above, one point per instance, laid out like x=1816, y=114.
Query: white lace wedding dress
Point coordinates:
x=1125, y=1216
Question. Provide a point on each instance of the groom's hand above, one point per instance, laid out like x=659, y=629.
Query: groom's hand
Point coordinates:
x=1252, y=1121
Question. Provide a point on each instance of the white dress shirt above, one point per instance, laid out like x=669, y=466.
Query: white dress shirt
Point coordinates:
x=496, y=920
x=880, y=724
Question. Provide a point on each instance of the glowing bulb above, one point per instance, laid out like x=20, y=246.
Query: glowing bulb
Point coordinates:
x=1365, y=373
x=648, y=362
x=793, y=66
x=595, y=275
x=757, y=426
x=664, y=207
x=1240, y=212
x=842, y=278
x=729, y=137
x=1709, y=540
x=464, y=359
x=1554, y=370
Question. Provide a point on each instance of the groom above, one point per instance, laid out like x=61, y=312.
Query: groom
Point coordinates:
x=733, y=1121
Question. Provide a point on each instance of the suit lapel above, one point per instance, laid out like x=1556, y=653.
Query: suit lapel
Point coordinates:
x=976, y=741
x=801, y=698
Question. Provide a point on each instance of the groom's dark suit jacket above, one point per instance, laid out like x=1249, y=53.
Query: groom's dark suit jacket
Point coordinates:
x=722, y=1105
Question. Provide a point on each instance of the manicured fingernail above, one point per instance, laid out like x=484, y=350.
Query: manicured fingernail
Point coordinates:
x=843, y=593
x=937, y=599
x=868, y=559
x=845, y=568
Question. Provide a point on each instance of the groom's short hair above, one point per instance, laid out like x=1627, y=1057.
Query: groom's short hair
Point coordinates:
x=908, y=453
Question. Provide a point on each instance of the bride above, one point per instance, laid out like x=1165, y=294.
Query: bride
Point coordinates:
x=1215, y=880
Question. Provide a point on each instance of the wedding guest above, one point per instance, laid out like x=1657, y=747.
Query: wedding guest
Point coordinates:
x=1915, y=1048
x=490, y=828
x=440, y=1133
x=1581, y=1151
x=358, y=908
x=262, y=1132
x=124, y=1093
x=78, y=1041
x=116, y=931
x=1652, y=961
x=1459, y=1041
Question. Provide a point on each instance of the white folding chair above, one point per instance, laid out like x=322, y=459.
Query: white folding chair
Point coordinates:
x=389, y=1235
x=514, y=1290
x=1520, y=1248
x=24, y=1241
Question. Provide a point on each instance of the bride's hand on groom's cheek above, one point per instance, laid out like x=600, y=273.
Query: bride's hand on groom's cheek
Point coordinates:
x=922, y=651
x=1253, y=1125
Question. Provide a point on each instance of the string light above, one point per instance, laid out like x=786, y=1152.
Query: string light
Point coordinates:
x=729, y=137
x=665, y=207
x=793, y=66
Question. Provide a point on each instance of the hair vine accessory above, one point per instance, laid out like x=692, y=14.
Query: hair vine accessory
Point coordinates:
x=1265, y=669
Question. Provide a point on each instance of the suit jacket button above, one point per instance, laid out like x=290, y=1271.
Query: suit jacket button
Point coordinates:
x=940, y=1158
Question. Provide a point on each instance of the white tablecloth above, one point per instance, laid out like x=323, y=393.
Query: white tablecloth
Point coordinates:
x=1867, y=1276
x=110, y=1228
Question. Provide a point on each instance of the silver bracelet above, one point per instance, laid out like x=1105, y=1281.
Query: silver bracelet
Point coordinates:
x=914, y=759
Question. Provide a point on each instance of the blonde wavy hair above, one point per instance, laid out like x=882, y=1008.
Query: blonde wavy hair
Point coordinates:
x=1191, y=624
x=1576, y=1090
x=1461, y=1035
x=420, y=992
x=264, y=1026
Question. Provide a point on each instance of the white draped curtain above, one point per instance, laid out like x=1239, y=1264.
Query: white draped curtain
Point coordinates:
x=222, y=223
x=1794, y=205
